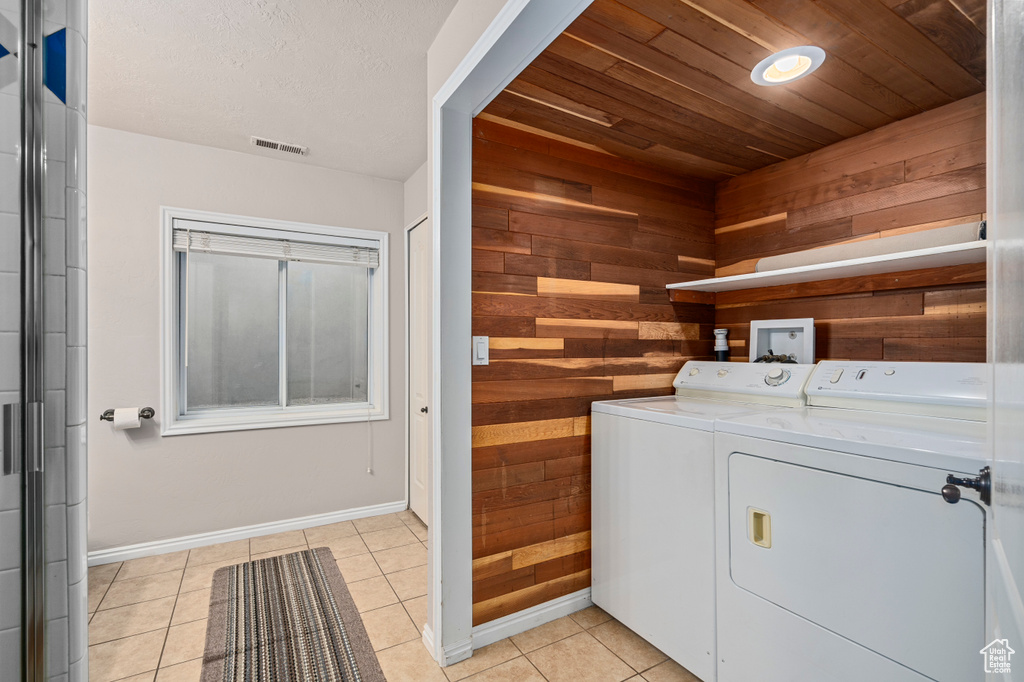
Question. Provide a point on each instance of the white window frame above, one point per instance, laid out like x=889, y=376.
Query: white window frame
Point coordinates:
x=173, y=422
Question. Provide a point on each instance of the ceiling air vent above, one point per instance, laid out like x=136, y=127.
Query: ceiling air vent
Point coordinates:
x=279, y=146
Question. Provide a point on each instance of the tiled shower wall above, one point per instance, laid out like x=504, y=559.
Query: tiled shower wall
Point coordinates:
x=64, y=242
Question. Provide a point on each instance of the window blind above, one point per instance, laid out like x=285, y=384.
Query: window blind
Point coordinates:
x=276, y=249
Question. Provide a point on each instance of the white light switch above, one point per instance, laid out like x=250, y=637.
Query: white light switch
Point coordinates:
x=481, y=350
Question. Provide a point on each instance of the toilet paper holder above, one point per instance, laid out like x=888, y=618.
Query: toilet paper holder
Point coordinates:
x=144, y=413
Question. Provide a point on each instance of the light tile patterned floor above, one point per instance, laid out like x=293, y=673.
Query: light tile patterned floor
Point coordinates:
x=148, y=616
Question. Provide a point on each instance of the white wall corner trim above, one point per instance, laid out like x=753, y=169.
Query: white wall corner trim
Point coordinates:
x=520, y=31
x=480, y=49
x=428, y=637
x=457, y=652
x=513, y=624
x=144, y=549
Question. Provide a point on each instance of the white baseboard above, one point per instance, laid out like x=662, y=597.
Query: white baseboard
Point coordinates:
x=428, y=639
x=457, y=652
x=144, y=549
x=513, y=624
x=451, y=654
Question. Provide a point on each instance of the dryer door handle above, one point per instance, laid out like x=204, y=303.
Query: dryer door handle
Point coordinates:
x=982, y=483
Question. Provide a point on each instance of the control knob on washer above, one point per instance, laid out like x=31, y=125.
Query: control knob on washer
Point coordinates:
x=777, y=376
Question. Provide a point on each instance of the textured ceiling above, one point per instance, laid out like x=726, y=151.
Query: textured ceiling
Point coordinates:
x=347, y=78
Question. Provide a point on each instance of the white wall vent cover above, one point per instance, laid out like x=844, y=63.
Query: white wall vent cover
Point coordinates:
x=279, y=146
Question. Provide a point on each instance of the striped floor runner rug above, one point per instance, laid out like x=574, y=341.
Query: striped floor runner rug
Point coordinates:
x=286, y=619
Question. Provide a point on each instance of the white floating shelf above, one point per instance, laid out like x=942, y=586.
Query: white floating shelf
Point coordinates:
x=934, y=257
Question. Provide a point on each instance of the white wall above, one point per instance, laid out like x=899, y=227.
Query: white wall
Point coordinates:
x=143, y=487
x=450, y=545
x=415, y=191
x=465, y=24
x=460, y=32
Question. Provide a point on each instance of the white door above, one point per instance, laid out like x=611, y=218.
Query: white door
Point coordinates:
x=1005, y=565
x=419, y=282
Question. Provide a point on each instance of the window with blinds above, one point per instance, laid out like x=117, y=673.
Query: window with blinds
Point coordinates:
x=188, y=240
x=276, y=326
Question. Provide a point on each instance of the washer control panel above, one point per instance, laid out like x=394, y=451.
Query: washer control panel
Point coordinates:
x=775, y=384
x=948, y=389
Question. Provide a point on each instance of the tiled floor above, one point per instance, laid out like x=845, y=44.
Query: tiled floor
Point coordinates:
x=148, y=616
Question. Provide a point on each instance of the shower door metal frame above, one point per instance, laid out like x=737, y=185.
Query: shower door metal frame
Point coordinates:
x=33, y=503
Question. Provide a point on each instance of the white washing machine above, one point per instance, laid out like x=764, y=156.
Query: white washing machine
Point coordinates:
x=843, y=553
x=652, y=479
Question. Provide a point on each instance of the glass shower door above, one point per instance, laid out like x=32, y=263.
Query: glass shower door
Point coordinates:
x=20, y=296
x=36, y=601
x=11, y=512
x=23, y=569
x=12, y=516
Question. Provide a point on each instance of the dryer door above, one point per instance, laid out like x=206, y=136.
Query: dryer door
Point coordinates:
x=892, y=568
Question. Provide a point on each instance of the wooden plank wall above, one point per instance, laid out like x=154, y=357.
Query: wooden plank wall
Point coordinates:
x=572, y=249
x=919, y=173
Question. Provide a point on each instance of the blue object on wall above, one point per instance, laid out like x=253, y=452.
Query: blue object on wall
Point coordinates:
x=7, y=29
x=8, y=76
x=55, y=64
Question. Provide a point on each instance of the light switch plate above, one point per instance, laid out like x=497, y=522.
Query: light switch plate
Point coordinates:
x=481, y=350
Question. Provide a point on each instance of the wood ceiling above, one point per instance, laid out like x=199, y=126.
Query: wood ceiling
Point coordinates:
x=667, y=82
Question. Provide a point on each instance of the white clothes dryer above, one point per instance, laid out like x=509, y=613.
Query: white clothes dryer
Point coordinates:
x=843, y=553
x=652, y=480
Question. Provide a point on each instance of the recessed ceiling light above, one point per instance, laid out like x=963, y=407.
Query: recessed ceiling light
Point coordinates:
x=788, y=65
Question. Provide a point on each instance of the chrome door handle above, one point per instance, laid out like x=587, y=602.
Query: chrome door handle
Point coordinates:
x=12, y=439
